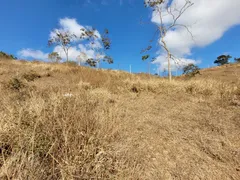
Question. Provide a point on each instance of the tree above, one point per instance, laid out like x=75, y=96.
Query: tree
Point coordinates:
x=191, y=70
x=153, y=3
x=237, y=60
x=223, y=59
x=163, y=9
x=54, y=57
x=64, y=39
x=100, y=47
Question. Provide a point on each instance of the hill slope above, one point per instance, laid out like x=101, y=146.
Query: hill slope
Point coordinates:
x=228, y=73
x=63, y=122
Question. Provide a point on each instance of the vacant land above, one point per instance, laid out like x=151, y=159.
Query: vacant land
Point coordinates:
x=66, y=122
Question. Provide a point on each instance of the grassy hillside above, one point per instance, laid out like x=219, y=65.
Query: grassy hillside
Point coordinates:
x=65, y=122
x=228, y=73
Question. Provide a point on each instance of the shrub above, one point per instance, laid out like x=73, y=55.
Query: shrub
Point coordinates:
x=191, y=70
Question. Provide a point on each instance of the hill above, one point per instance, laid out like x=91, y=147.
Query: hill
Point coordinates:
x=66, y=122
x=228, y=73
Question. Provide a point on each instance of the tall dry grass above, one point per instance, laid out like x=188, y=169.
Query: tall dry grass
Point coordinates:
x=64, y=122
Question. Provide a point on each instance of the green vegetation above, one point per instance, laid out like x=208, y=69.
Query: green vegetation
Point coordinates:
x=191, y=70
x=237, y=60
x=4, y=55
x=66, y=40
x=223, y=59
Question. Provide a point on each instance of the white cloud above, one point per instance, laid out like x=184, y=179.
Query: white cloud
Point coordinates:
x=71, y=25
x=35, y=54
x=207, y=20
x=177, y=64
x=75, y=51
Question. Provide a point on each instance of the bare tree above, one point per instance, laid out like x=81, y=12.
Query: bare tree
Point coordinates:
x=162, y=9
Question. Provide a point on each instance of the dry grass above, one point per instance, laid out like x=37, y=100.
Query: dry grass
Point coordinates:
x=229, y=73
x=65, y=122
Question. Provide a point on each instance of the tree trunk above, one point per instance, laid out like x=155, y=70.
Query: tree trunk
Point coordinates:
x=66, y=52
x=67, y=55
x=169, y=59
x=169, y=68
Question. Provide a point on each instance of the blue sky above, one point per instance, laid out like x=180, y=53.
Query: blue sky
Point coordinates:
x=26, y=24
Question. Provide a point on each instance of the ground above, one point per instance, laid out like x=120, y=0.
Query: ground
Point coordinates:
x=67, y=122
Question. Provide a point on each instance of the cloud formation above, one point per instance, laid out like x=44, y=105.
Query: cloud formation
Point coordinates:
x=70, y=25
x=35, y=54
x=207, y=20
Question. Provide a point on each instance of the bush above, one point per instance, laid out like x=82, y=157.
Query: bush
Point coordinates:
x=191, y=70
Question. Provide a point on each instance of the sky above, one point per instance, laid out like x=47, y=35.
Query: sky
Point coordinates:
x=28, y=24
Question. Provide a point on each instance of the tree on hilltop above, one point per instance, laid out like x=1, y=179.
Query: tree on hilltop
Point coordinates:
x=237, y=60
x=99, y=43
x=161, y=10
x=100, y=47
x=223, y=59
x=64, y=39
